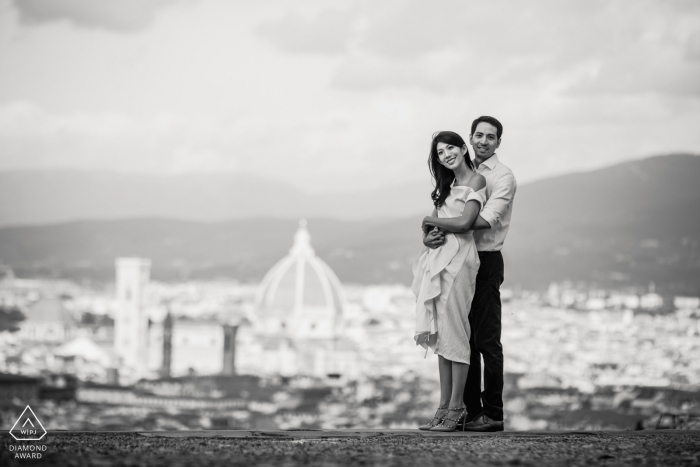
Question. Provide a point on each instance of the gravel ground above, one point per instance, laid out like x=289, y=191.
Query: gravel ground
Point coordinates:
x=390, y=449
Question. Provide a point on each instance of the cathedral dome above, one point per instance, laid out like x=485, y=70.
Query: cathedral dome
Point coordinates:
x=300, y=284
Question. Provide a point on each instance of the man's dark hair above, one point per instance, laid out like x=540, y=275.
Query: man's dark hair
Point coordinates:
x=492, y=121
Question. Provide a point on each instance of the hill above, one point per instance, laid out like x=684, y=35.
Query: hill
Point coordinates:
x=54, y=196
x=623, y=226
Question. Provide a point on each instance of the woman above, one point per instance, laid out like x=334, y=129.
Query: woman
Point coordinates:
x=444, y=277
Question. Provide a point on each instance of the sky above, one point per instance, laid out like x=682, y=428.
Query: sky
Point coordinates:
x=343, y=95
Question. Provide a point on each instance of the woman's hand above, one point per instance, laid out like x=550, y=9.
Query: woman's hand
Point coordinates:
x=434, y=239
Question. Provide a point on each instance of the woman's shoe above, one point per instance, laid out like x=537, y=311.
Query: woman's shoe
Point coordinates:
x=436, y=419
x=451, y=424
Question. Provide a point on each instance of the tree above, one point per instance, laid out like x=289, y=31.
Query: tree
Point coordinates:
x=10, y=317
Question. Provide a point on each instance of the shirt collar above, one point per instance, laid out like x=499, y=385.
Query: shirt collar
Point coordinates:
x=491, y=162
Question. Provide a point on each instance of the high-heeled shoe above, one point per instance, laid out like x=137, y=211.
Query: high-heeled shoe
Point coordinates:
x=451, y=427
x=433, y=422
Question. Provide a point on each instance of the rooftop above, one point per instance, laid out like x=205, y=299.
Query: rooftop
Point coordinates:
x=299, y=281
x=12, y=378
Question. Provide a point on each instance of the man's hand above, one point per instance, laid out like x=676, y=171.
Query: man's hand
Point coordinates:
x=435, y=238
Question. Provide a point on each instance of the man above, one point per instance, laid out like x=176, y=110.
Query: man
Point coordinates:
x=490, y=228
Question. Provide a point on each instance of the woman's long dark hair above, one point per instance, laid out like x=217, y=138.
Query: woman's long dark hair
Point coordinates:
x=442, y=175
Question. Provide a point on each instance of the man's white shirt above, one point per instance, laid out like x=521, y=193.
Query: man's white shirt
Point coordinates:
x=500, y=191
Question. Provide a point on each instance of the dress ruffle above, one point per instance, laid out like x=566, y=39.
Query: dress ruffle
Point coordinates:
x=434, y=272
x=426, y=287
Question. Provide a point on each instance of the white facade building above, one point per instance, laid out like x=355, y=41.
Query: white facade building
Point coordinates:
x=651, y=301
x=196, y=347
x=686, y=303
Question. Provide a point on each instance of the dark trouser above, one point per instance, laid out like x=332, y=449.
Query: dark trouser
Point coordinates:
x=485, y=322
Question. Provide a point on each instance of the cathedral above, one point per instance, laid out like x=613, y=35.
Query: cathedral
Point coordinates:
x=298, y=323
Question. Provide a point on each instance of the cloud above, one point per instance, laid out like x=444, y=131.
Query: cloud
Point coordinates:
x=584, y=47
x=32, y=137
x=349, y=96
x=692, y=50
x=326, y=32
x=313, y=151
x=666, y=76
x=438, y=73
x=116, y=15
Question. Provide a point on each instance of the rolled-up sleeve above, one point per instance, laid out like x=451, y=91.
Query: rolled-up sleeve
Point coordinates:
x=500, y=200
x=478, y=196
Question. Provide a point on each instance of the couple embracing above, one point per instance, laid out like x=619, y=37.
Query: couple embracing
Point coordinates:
x=458, y=274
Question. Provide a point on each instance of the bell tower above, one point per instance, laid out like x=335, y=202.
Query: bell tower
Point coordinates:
x=131, y=321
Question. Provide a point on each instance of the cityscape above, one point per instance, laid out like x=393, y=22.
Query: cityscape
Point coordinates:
x=214, y=216
x=301, y=350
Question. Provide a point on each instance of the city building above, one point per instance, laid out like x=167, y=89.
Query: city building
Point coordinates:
x=148, y=347
x=184, y=346
x=84, y=358
x=651, y=301
x=47, y=321
x=686, y=303
x=298, y=327
x=18, y=388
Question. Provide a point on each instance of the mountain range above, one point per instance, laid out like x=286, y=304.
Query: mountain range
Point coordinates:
x=52, y=196
x=619, y=227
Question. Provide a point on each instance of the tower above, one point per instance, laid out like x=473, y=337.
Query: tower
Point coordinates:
x=167, y=346
x=131, y=322
x=230, y=349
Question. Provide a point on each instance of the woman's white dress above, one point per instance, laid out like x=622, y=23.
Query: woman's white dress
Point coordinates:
x=443, y=282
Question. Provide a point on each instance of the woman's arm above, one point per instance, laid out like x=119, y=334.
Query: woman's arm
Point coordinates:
x=480, y=223
x=464, y=222
x=459, y=224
